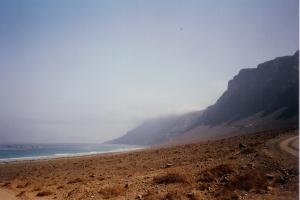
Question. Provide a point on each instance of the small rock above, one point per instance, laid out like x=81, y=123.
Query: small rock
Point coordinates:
x=235, y=197
x=225, y=180
x=232, y=158
x=282, y=180
x=169, y=165
x=43, y=193
x=243, y=167
x=5, y=184
x=138, y=197
x=242, y=146
x=269, y=188
x=70, y=193
x=269, y=176
x=252, y=190
x=262, y=191
x=250, y=165
x=20, y=194
x=190, y=194
x=76, y=180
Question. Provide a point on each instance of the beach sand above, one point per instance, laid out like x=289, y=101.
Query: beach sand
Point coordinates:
x=6, y=194
x=241, y=167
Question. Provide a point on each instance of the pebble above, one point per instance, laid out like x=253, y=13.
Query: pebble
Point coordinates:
x=169, y=165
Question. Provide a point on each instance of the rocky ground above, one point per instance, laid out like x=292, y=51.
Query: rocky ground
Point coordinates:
x=251, y=166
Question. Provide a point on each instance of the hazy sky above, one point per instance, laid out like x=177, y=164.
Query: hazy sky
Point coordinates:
x=88, y=71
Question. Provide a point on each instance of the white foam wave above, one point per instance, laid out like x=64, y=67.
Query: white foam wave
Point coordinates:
x=62, y=155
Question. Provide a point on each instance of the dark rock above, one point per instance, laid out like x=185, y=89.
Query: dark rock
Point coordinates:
x=43, y=193
x=269, y=176
x=20, y=194
x=242, y=146
x=77, y=180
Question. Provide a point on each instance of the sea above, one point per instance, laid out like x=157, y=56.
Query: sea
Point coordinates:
x=15, y=152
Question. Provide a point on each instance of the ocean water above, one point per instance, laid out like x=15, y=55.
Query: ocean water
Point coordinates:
x=13, y=152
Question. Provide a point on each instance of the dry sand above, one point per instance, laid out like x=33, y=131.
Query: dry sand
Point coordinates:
x=6, y=194
x=241, y=167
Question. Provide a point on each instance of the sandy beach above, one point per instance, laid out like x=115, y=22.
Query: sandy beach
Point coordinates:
x=242, y=167
x=7, y=194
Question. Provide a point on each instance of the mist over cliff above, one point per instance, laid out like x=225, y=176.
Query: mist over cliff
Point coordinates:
x=256, y=98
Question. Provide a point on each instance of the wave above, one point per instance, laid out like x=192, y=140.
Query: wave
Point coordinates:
x=62, y=155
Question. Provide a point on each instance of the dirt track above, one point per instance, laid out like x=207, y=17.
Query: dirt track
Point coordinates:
x=290, y=145
x=250, y=166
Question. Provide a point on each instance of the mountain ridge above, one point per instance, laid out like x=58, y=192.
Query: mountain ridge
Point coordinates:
x=266, y=96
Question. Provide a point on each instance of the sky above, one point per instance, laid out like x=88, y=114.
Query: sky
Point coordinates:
x=89, y=71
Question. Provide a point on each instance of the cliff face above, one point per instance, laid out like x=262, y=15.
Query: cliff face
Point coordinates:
x=271, y=86
x=254, y=94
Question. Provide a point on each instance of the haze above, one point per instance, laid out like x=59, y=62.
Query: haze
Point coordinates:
x=89, y=71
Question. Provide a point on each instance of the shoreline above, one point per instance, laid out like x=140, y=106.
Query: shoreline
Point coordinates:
x=67, y=155
x=176, y=172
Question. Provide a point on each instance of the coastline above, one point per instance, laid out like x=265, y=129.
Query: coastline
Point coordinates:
x=158, y=173
x=68, y=155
